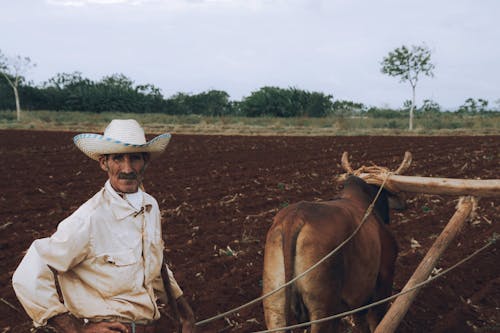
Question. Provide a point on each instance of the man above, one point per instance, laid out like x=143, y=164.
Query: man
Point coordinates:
x=102, y=270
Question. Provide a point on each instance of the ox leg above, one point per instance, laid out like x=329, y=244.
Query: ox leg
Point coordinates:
x=274, y=277
x=375, y=314
x=321, y=304
x=321, y=288
x=385, y=280
x=360, y=320
x=320, y=293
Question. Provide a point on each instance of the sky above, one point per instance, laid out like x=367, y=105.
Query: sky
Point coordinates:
x=239, y=46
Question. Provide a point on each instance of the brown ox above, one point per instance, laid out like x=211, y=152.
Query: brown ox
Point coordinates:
x=360, y=273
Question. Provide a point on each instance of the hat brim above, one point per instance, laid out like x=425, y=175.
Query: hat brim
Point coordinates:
x=95, y=145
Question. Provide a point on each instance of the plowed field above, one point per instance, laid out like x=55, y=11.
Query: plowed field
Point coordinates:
x=218, y=196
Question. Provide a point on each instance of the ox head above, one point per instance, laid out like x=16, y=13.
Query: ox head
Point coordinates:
x=357, y=189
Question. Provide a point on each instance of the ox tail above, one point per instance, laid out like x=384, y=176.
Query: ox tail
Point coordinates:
x=291, y=231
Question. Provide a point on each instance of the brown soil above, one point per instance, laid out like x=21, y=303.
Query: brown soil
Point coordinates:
x=221, y=192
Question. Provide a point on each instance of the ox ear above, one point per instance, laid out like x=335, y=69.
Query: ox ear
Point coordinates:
x=397, y=201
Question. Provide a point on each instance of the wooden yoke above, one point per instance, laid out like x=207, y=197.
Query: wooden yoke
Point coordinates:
x=445, y=186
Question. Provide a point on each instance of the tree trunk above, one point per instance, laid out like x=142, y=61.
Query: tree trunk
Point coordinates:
x=18, y=103
x=412, y=108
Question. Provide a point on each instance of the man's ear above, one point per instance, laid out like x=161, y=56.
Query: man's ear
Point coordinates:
x=103, y=162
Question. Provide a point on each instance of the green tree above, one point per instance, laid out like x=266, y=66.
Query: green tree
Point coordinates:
x=344, y=107
x=317, y=104
x=65, y=80
x=292, y=102
x=13, y=69
x=408, y=64
x=179, y=104
x=72, y=92
x=472, y=105
x=429, y=106
x=7, y=100
x=267, y=101
x=408, y=104
x=69, y=92
x=213, y=103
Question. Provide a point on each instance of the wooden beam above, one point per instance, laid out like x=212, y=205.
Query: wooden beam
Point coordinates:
x=431, y=185
x=400, y=306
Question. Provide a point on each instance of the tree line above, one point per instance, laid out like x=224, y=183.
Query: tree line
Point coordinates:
x=73, y=92
x=117, y=92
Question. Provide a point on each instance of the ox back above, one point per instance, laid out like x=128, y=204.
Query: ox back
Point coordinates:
x=360, y=273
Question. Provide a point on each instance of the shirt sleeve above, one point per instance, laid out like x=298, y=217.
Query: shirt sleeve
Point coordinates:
x=34, y=282
x=159, y=287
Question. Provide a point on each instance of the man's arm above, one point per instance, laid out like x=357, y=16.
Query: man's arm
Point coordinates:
x=34, y=281
x=35, y=287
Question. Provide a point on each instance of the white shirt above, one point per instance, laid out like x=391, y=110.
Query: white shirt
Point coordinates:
x=108, y=258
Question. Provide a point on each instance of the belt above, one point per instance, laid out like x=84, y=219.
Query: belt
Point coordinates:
x=140, y=328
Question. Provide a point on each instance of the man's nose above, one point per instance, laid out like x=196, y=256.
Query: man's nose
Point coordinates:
x=127, y=165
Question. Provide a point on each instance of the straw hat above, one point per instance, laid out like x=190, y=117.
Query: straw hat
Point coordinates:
x=120, y=137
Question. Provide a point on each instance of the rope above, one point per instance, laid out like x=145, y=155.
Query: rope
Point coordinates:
x=384, y=300
x=372, y=175
x=367, y=213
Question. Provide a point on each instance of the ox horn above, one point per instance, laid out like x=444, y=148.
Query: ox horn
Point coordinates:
x=405, y=164
x=345, y=163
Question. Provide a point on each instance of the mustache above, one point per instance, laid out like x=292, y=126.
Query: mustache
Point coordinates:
x=128, y=176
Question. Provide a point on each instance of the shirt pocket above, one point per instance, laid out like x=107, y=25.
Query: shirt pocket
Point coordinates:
x=118, y=273
x=119, y=259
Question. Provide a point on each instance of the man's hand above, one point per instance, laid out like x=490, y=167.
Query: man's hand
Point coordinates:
x=66, y=323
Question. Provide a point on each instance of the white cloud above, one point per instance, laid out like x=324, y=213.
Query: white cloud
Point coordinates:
x=171, y=4
x=80, y=3
x=67, y=3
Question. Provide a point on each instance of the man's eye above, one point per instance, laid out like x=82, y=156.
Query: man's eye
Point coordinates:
x=117, y=158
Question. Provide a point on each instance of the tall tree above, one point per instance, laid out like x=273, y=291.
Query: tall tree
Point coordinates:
x=408, y=65
x=13, y=70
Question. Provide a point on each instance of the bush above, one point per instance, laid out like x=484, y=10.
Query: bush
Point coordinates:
x=277, y=102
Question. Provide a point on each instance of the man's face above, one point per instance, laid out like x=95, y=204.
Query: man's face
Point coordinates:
x=125, y=171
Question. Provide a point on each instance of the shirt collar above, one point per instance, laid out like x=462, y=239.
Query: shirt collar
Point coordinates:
x=120, y=207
